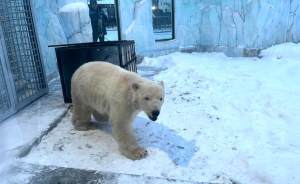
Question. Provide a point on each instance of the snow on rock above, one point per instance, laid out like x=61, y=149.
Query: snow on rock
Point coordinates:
x=76, y=21
x=284, y=51
x=55, y=28
x=224, y=120
x=139, y=24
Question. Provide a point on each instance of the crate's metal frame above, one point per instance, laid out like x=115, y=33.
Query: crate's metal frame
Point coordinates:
x=28, y=59
x=126, y=59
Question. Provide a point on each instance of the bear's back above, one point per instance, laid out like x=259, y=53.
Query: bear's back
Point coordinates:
x=101, y=79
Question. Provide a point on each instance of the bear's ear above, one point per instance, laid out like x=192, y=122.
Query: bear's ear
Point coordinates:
x=162, y=84
x=135, y=86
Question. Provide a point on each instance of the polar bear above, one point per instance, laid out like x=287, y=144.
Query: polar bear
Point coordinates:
x=110, y=93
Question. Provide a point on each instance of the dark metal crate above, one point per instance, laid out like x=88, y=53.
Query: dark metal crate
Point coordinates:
x=71, y=56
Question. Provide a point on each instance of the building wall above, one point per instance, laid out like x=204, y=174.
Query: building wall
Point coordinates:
x=218, y=25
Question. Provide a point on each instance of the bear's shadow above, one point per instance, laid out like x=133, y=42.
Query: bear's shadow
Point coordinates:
x=151, y=134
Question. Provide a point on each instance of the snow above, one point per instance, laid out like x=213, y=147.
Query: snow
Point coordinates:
x=73, y=7
x=16, y=131
x=76, y=21
x=137, y=23
x=20, y=131
x=224, y=120
x=106, y=1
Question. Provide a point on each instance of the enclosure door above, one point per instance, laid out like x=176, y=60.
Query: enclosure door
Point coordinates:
x=22, y=76
x=6, y=95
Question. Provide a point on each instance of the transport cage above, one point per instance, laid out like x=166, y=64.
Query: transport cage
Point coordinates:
x=71, y=56
x=22, y=77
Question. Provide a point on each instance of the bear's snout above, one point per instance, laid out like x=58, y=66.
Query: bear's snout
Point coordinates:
x=154, y=115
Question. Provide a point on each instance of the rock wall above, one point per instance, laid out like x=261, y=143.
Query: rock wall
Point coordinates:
x=224, y=25
x=60, y=22
x=219, y=25
x=235, y=24
x=136, y=23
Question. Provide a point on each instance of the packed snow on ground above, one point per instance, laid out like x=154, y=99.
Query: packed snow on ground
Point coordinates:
x=224, y=119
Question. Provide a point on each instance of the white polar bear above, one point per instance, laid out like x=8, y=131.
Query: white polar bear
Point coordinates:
x=112, y=93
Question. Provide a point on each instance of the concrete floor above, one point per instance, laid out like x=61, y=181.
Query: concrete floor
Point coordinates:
x=21, y=130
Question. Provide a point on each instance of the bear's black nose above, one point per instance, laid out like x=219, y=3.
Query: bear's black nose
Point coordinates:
x=155, y=113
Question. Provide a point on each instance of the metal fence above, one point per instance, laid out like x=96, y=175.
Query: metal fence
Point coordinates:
x=22, y=77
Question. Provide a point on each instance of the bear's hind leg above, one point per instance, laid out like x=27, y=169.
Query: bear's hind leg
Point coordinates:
x=81, y=116
x=99, y=117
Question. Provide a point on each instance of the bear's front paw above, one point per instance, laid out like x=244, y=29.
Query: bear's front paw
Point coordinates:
x=135, y=154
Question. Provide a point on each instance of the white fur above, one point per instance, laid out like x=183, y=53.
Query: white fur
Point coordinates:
x=112, y=93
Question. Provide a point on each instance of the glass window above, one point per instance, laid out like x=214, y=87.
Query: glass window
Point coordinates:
x=163, y=19
x=104, y=20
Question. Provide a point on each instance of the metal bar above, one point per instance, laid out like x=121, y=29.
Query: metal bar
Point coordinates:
x=8, y=78
x=39, y=47
x=89, y=44
x=24, y=65
x=118, y=19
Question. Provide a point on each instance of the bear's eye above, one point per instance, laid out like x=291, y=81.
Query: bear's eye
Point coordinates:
x=160, y=99
x=147, y=98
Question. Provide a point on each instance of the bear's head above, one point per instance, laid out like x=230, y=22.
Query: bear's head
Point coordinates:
x=149, y=97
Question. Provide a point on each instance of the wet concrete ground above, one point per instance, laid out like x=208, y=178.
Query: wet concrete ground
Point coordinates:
x=38, y=174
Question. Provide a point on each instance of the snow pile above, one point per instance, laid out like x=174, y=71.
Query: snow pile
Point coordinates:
x=74, y=7
x=245, y=110
x=285, y=51
x=231, y=120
